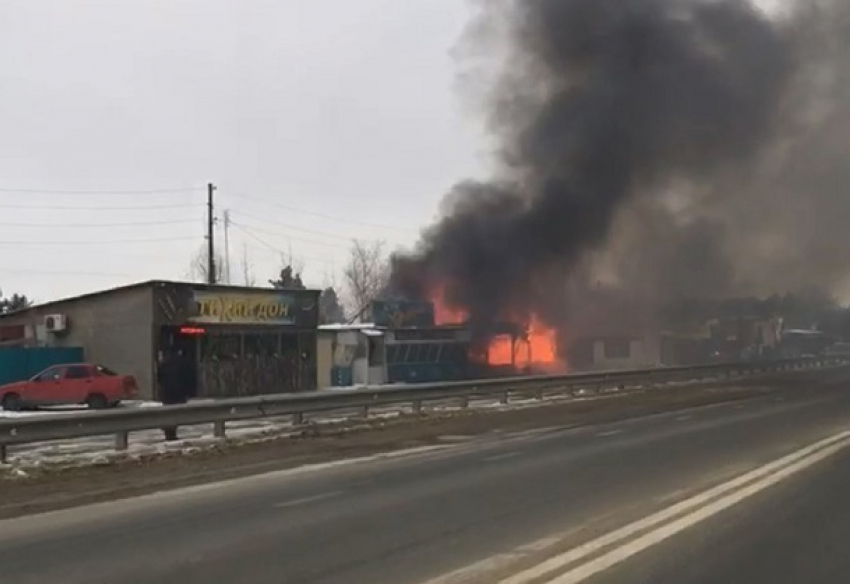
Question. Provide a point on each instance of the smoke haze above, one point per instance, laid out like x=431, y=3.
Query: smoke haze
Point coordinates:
x=690, y=148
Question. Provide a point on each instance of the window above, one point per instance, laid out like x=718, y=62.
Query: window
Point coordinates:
x=51, y=374
x=362, y=348
x=105, y=371
x=414, y=353
x=77, y=372
x=261, y=345
x=432, y=354
x=617, y=348
x=376, y=352
x=224, y=347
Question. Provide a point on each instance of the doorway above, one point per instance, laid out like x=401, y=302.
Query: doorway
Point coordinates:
x=181, y=343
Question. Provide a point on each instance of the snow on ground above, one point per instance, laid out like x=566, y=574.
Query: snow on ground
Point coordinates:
x=101, y=449
x=73, y=409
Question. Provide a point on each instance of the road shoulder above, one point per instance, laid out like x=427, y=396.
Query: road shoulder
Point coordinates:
x=51, y=489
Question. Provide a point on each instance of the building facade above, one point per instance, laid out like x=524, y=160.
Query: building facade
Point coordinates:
x=241, y=341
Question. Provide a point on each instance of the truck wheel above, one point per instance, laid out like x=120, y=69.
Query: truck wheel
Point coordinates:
x=12, y=402
x=97, y=401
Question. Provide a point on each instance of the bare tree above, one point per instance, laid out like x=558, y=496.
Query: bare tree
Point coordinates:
x=248, y=277
x=366, y=273
x=199, y=266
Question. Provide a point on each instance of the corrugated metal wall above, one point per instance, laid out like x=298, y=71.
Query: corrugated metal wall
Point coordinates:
x=17, y=364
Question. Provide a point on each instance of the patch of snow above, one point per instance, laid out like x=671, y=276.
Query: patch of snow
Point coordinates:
x=100, y=450
x=18, y=473
x=74, y=409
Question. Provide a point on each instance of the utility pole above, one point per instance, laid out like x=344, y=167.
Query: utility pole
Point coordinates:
x=227, y=246
x=210, y=229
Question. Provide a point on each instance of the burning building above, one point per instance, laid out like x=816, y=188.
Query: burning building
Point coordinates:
x=666, y=149
x=420, y=341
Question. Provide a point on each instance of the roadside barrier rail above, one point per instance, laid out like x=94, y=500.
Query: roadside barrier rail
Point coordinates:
x=121, y=422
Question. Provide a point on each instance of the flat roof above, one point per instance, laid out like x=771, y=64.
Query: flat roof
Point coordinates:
x=347, y=326
x=153, y=284
x=803, y=332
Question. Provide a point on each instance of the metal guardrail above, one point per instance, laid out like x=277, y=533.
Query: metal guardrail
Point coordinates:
x=122, y=422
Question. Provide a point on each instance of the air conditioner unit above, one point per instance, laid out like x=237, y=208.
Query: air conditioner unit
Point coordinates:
x=55, y=323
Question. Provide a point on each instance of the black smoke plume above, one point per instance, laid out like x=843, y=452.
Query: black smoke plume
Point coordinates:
x=668, y=148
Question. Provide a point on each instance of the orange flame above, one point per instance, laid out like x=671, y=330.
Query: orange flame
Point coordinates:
x=445, y=315
x=538, y=350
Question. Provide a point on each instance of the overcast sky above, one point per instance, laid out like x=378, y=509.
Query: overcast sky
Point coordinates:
x=319, y=121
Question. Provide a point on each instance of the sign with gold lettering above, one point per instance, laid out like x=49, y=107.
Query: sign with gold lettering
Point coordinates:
x=225, y=308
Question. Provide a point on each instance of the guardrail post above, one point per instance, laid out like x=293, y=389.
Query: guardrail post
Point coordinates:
x=40, y=430
x=4, y=454
x=122, y=440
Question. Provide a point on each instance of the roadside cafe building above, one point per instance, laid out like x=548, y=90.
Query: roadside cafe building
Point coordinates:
x=240, y=341
x=400, y=343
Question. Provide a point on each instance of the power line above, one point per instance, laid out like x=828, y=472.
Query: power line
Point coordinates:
x=89, y=225
x=296, y=256
x=274, y=249
x=98, y=192
x=96, y=207
x=278, y=234
x=63, y=273
x=302, y=229
x=98, y=242
x=346, y=220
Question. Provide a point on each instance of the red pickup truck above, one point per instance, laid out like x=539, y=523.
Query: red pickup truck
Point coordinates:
x=76, y=383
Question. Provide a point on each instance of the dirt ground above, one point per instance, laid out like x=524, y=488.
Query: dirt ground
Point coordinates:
x=50, y=489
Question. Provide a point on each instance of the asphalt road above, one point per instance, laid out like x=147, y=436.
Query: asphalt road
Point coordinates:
x=550, y=505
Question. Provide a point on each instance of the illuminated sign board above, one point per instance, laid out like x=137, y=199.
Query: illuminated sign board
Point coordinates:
x=244, y=308
x=192, y=330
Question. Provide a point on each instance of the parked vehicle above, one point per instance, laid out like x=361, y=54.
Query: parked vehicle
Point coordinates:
x=76, y=383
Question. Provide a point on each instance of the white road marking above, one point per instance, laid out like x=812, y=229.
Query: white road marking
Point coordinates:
x=311, y=499
x=684, y=418
x=656, y=536
x=536, y=431
x=473, y=572
x=14, y=529
x=609, y=433
x=502, y=456
x=563, y=560
x=671, y=496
